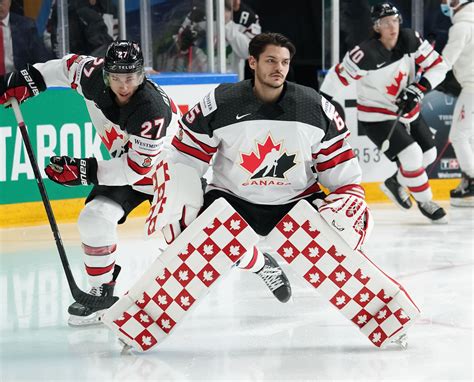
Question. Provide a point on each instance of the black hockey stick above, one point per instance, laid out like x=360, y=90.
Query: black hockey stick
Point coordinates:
x=386, y=144
x=80, y=296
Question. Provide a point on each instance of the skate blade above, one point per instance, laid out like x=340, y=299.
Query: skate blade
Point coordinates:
x=401, y=342
x=93, y=319
x=389, y=195
x=443, y=220
x=462, y=202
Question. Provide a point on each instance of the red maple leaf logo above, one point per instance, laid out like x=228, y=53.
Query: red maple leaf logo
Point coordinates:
x=253, y=160
x=110, y=137
x=394, y=87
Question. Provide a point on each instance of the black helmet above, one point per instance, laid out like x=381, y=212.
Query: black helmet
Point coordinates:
x=382, y=10
x=123, y=56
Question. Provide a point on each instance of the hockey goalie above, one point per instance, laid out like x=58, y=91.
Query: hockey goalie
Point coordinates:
x=270, y=144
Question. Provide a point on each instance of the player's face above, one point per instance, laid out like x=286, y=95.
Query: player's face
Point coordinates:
x=388, y=27
x=272, y=66
x=124, y=85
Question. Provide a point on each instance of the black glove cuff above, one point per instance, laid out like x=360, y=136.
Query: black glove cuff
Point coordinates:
x=425, y=83
x=37, y=77
x=92, y=167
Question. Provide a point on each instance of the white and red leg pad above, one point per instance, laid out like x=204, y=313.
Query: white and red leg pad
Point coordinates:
x=181, y=276
x=351, y=282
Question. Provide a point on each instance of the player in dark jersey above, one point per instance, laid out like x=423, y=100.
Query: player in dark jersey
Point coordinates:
x=271, y=142
x=384, y=67
x=131, y=115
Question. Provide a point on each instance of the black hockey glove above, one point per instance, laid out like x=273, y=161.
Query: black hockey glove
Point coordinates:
x=410, y=97
x=21, y=85
x=72, y=171
x=187, y=38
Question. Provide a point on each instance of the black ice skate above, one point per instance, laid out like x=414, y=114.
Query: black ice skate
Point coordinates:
x=463, y=194
x=82, y=315
x=275, y=278
x=396, y=192
x=433, y=212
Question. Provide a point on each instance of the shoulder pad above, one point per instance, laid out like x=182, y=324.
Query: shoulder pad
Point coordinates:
x=410, y=40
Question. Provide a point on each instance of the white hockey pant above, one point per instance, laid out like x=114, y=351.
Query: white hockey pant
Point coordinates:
x=97, y=226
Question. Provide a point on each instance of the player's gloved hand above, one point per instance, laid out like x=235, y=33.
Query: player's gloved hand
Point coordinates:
x=21, y=85
x=187, y=38
x=410, y=97
x=346, y=211
x=72, y=171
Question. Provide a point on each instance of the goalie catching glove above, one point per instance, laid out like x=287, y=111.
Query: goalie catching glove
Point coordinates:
x=21, y=85
x=346, y=211
x=72, y=171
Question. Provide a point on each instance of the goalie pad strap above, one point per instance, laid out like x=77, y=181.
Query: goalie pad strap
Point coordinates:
x=181, y=276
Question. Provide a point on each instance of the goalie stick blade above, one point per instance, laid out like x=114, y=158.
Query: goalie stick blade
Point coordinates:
x=102, y=302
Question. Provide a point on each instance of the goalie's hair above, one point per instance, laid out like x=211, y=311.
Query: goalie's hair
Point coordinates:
x=259, y=43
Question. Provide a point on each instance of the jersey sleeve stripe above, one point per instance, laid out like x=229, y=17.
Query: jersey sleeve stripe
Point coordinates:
x=185, y=149
x=435, y=62
x=137, y=168
x=341, y=158
x=208, y=149
x=329, y=150
x=422, y=58
x=340, y=76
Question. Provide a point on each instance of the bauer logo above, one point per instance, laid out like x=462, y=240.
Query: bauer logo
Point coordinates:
x=30, y=82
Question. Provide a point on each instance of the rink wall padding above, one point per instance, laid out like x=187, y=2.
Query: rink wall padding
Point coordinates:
x=67, y=211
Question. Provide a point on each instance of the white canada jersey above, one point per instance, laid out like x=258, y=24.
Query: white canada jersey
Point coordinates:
x=133, y=134
x=267, y=153
x=382, y=74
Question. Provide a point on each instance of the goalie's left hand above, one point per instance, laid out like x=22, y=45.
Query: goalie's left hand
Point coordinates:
x=346, y=211
x=72, y=171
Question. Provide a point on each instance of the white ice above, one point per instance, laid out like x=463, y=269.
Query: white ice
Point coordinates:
x=240, y=331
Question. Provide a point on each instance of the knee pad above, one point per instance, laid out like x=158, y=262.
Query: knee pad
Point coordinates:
x=97, y=222
x=411, y=157
x=429, y=156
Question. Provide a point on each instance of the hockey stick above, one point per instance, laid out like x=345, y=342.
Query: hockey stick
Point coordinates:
x=80, y=296
x=386, y=144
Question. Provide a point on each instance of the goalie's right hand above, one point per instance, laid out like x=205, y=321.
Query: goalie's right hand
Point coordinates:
x=21, y=85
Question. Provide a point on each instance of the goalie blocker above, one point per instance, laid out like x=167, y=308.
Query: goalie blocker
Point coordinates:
x=181, y=276
x=349, y=280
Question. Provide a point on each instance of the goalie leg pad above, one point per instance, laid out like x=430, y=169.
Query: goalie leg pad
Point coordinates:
x=352, y=283
x=181, y=276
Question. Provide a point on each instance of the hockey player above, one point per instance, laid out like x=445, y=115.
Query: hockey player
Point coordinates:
x=384, y=68
x=270, y=142
x=130, y=114
x=458, y=55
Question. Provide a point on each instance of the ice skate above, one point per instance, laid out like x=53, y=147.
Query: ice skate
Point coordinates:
x=434, y=212
x=396, y=192
x=401, y=341
x=275, y=279
x=82, y=315
x=463, y=194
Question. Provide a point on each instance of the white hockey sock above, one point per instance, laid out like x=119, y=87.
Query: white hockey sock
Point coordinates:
x=417, y=183
x=252, y=260
x=99, y=263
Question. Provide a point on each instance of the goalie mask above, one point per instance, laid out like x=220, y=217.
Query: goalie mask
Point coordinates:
x=124, y=59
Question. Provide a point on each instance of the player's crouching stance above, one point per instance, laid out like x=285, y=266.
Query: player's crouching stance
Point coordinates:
x=131, y=115
x=270, y=142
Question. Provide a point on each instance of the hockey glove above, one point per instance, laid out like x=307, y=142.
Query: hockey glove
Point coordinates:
x=410, y=97
x=21, y=85
x=72, y=171
x=187, y=38
x=346, y=212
